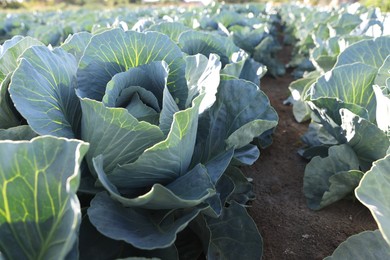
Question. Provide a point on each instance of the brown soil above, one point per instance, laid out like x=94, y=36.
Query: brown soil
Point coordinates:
x=291, y=230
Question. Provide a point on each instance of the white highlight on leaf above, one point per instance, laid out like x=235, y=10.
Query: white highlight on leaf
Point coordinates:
x=296, y=95
x=382, y=110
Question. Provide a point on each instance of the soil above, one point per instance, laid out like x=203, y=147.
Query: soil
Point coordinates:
x=290, y=230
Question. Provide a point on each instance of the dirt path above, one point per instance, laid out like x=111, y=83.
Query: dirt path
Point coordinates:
x=290, y=230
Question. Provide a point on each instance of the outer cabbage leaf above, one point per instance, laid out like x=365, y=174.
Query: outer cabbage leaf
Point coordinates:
x=22, y=132
x=181, y=193
x=252, y=71
x=332, y=108
x=233, y=235
x=246, y=155
x=43, y=91
x=265, y=53
x=371, y=52
x=39, y=209
x=383, y=73
x=217, y=165
x=143, y=24
x=194, y=42
x=317, y=135
x=232, y=122
x=234, y=69
x=365, y=245
x=247, y=38
x=246, y=133
x=374, y=192
x=124, y=50
x=330, y=132
x=345, y=23
x=171, y=29
x=331, y=178
x=9, y=43
x=242, y=191
x=47, y=33
x=10, y=52
x=9, y=116
x=144, y=229
x=299, y=89
x=77, y=43
x=322, y=60
x=94, y=245
x=301, y=111
x=234, y=230
x=356, y=131
x=351, y=83
x=229, y=18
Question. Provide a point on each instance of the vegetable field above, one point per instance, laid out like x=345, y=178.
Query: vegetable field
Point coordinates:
x=242, y=131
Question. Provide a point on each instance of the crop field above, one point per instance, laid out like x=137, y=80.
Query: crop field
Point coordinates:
x=232, y=131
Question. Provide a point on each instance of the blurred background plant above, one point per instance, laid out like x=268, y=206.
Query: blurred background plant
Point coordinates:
x=384, y=5
x=10, y=4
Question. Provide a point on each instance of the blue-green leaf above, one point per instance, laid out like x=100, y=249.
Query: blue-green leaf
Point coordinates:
x=367, y=150
x=247, y=155
x=171, y=29
x=247, y=38
x=351, y=83
x=39, y=209
x=115, y=51
x=234, y=235
x=373, y=192
x=77, y=43
x=265, y=54
x=365, y=245
x=383, y=73
x=165, y=161
x=22, y=132
x=329, y=179
x=332, y=106
x=218, y=164
x=194, y=42
x=9, y=116
x=247, y=132
x=94, y=245
x=11, y=51
x=47, y=33
x=43, y=90
x=371, y=52
x=186, y=191
x=233, y=122
x=144, y=229
x=115, y=134
x=169, y=108
x=252, y=71
x=242, y=191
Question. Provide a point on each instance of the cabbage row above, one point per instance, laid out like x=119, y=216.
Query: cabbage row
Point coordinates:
x=320, y=34
x=146, y=127
x=252, y=27
x=347, y=99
